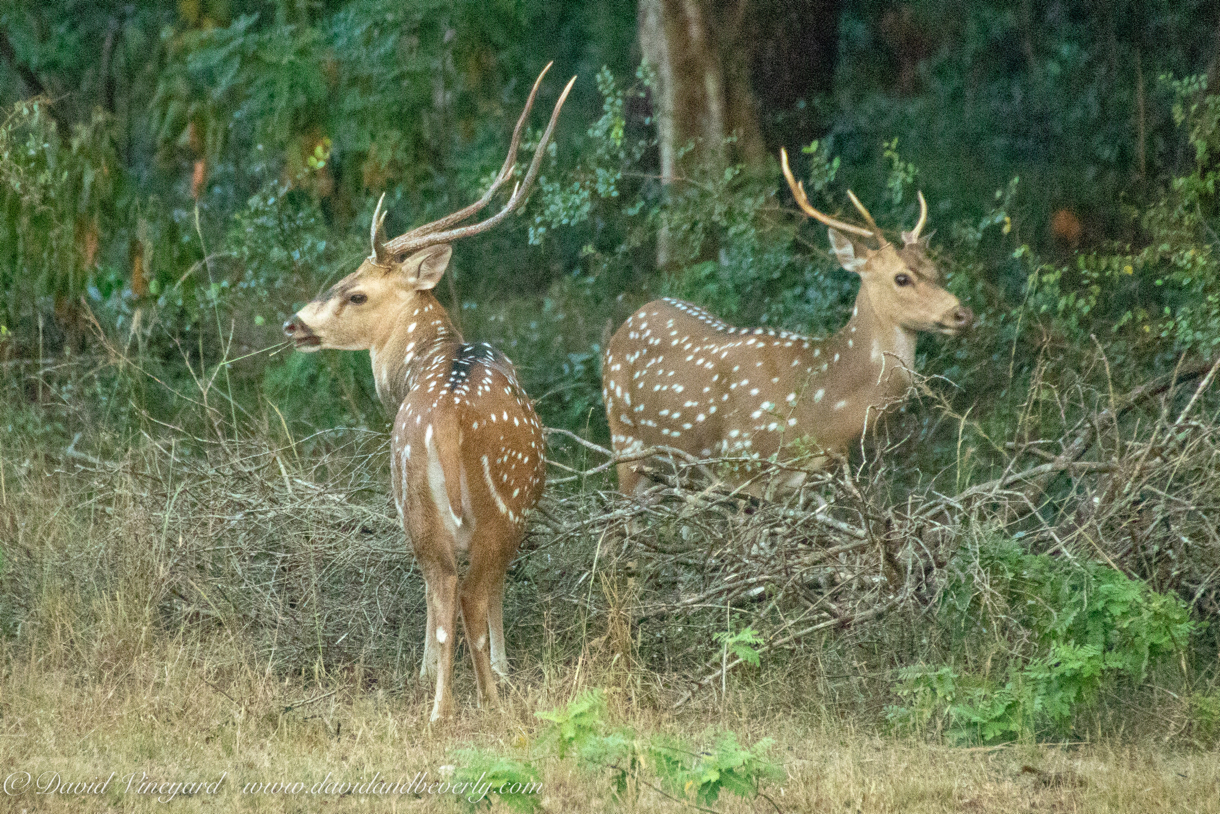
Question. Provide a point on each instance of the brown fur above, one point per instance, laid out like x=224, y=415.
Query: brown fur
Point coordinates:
x=466, y=451
x=674, y=375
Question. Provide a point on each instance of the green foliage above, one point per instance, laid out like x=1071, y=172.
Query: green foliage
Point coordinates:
x=1061, y=95
x=600, y=173
x=689, y=772
x=741, y=644
x=322, y=390
x=1161, y=294
x=57, y=193
x=289, y=86
x=729, y=766
x=823, y=168
x=1062, y=630
x=754, y=259
x=282, y=244
x=573, y=727
x=902, y=173
x=489, y=777
x=1204, y=712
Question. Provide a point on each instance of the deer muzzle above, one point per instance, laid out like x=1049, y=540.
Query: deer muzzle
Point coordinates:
x=301, y=334
x=957, y=321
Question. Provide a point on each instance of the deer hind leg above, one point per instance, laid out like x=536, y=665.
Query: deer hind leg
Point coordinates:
x=434, y=554
x=495, y=623
x=474, y=620
x=623, y=441
x=492, y=551
x=481, y=591
x=428, y=667
x=442, y=597
x=630, y=482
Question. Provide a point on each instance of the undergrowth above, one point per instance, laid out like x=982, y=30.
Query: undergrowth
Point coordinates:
x=1040, y=638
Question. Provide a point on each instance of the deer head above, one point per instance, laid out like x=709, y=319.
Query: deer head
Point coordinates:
x=359, y=312
x=902, y=284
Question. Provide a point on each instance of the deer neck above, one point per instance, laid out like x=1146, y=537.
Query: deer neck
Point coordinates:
x=417, y=334
x=875, y=356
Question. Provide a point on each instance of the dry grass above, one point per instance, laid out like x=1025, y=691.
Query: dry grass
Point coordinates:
x=189, y=611
x=184, y=712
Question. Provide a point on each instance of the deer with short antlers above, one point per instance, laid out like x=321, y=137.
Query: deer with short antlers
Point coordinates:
x=674, y=375
x=467, y=448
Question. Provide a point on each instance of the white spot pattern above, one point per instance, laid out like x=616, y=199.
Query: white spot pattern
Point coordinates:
x=793, y=376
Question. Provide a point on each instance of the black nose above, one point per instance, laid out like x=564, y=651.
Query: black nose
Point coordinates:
x=290, y=327
x=963, y=317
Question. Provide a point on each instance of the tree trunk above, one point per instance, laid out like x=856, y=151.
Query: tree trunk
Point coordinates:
x=702, y=93
x=694, y=109
x=713, y=62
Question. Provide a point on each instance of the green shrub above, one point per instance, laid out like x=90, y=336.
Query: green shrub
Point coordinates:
x=489, y=777
x=1204, y=711
x=698, y=772
x=58, y=195
x=1060, y=632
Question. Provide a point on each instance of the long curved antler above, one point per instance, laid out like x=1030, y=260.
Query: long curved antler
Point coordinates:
x=439, y=231
x=874, y=231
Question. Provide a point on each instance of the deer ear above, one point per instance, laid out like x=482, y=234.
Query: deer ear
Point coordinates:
x=851, y=256
x=424, y=269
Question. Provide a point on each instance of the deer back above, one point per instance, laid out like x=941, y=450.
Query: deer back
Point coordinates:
x=467, y=440
x=675, y=375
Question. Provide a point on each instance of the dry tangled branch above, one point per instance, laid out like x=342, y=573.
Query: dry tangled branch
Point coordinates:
x=305, y=558
x=839, y=552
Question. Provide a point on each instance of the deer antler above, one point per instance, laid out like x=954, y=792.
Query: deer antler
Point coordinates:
x=377, y=235
x=868, y=218
x=439, y=231
x=913, y=235
x=798, y=192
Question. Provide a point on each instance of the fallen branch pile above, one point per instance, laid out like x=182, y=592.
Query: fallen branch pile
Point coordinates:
x=840, y=552
x=302, y=557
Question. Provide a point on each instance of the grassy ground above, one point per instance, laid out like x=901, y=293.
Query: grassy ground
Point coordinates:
x=156, y=710
x=244, y=616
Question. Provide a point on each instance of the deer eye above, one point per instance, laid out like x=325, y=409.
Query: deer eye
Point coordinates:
x=902, y=280
x=358, y=299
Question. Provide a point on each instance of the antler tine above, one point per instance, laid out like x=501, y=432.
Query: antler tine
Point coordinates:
x=506, y=171
x=401, y=245
x=376, y=234
x=868, y=218
x=798, y=192
x=913, y=235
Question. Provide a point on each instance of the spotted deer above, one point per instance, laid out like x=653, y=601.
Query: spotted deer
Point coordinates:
x=674, y=375
x=467, y=448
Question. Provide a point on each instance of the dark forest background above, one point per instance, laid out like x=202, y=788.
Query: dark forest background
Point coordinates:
x=174, y=167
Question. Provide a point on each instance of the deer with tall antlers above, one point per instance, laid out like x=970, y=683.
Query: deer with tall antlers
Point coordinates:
x=467, y=448
x=674, y=375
